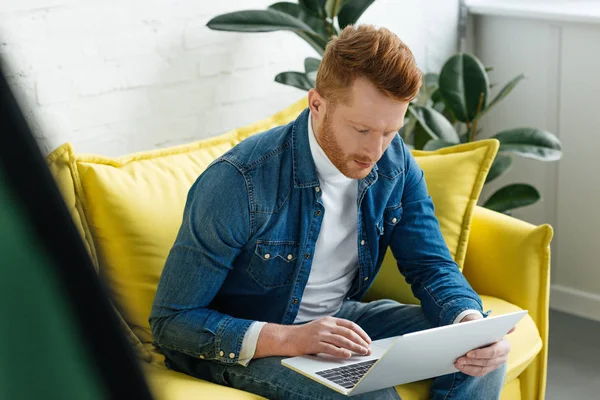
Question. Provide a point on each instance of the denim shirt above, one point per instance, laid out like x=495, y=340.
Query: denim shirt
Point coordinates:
x=250, y=224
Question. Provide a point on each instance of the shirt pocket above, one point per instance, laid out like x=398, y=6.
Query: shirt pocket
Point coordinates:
x=273, y=263
x=391, y=217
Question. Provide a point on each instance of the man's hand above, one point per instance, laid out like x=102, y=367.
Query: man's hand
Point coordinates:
x=480, y=362
x=335, y=336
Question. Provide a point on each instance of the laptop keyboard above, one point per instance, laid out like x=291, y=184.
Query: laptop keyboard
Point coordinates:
x=348, y=375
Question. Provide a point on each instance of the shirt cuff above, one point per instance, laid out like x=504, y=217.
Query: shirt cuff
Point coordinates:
x=463, y=314
x=249, y=343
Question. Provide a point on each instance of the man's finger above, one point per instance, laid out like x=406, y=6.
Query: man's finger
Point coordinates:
x=350, y=335
x=498, y=349
x=512, y=330
x=479, y=362
x=476, y=370
x=344, y=343
x=333, y=350
x=354, y=327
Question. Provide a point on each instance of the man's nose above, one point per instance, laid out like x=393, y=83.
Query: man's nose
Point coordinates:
x=374, y=149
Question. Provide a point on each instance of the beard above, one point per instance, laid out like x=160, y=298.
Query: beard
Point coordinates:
x=342, y=161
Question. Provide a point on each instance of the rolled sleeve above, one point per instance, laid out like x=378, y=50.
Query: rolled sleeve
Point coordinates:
x=463, y=314
x=249, y=343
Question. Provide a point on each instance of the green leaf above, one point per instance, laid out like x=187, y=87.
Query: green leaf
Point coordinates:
x=428, y=88
x=502, y=93
x=408, y=128
x=463, y=85
x=437, y=144
x=314, y=6
x=333, y=7
x=311, y=64
x=436, y=96
x=267, y=21
x=439, y=107
x=296, y=79
x=297, y=11
x=500, y=165
x=512, y=196
x=531, y=143
x=352, y=11
x=421, y=137
x=434, y=123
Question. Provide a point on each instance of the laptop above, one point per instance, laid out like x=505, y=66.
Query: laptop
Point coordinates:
x=60, y=336
x=406, y=358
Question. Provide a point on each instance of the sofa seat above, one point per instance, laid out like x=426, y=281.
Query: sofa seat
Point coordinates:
x=525, y=345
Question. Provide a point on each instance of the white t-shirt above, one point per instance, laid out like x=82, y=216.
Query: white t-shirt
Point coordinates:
x=335, y=260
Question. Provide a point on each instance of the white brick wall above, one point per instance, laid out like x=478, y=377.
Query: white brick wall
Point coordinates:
x=114, y=77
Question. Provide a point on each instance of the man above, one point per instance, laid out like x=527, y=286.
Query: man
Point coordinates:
x=283, y=235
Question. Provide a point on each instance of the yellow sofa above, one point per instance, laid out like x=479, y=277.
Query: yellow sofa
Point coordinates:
x=505, y=260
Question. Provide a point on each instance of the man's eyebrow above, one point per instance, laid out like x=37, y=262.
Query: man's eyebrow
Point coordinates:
x=370, y=128
x=361, y=124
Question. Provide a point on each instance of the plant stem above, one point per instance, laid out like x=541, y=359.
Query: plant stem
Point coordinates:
x=469, y=131
x=476, y=121
x=329, y=28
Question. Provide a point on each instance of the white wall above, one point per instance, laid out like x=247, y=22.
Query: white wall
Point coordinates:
x=115, y=77
x=559, y=95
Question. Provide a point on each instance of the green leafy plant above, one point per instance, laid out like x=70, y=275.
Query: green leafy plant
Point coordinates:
x=448, y=109
x=315, y=21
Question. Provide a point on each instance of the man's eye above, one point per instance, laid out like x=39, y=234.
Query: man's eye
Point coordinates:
x=362, y=130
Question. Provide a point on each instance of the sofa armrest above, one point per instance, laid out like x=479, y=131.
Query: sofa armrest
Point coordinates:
x=510, y=259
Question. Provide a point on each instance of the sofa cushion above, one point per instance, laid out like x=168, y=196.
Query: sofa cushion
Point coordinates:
x=61, y=163
x=170, y=385
x=525, y=344
x=134, y=205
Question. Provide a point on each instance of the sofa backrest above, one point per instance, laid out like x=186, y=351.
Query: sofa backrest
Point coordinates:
x=129, y=209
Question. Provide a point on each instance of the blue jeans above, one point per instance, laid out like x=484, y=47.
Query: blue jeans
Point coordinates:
x=380, y=319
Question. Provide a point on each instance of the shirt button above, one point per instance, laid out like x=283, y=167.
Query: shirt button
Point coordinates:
x=221, y=353
x=318, y=213
x=394, y=220
x=295, y=301
x=267, y=256
x=307, y=256
x=366, y=278
x=317, y=189
x=231, y=355
x=289, y=257
x=202, y=357
x=362, y=242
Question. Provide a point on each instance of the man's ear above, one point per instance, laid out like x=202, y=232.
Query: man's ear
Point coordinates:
x=317, y=105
